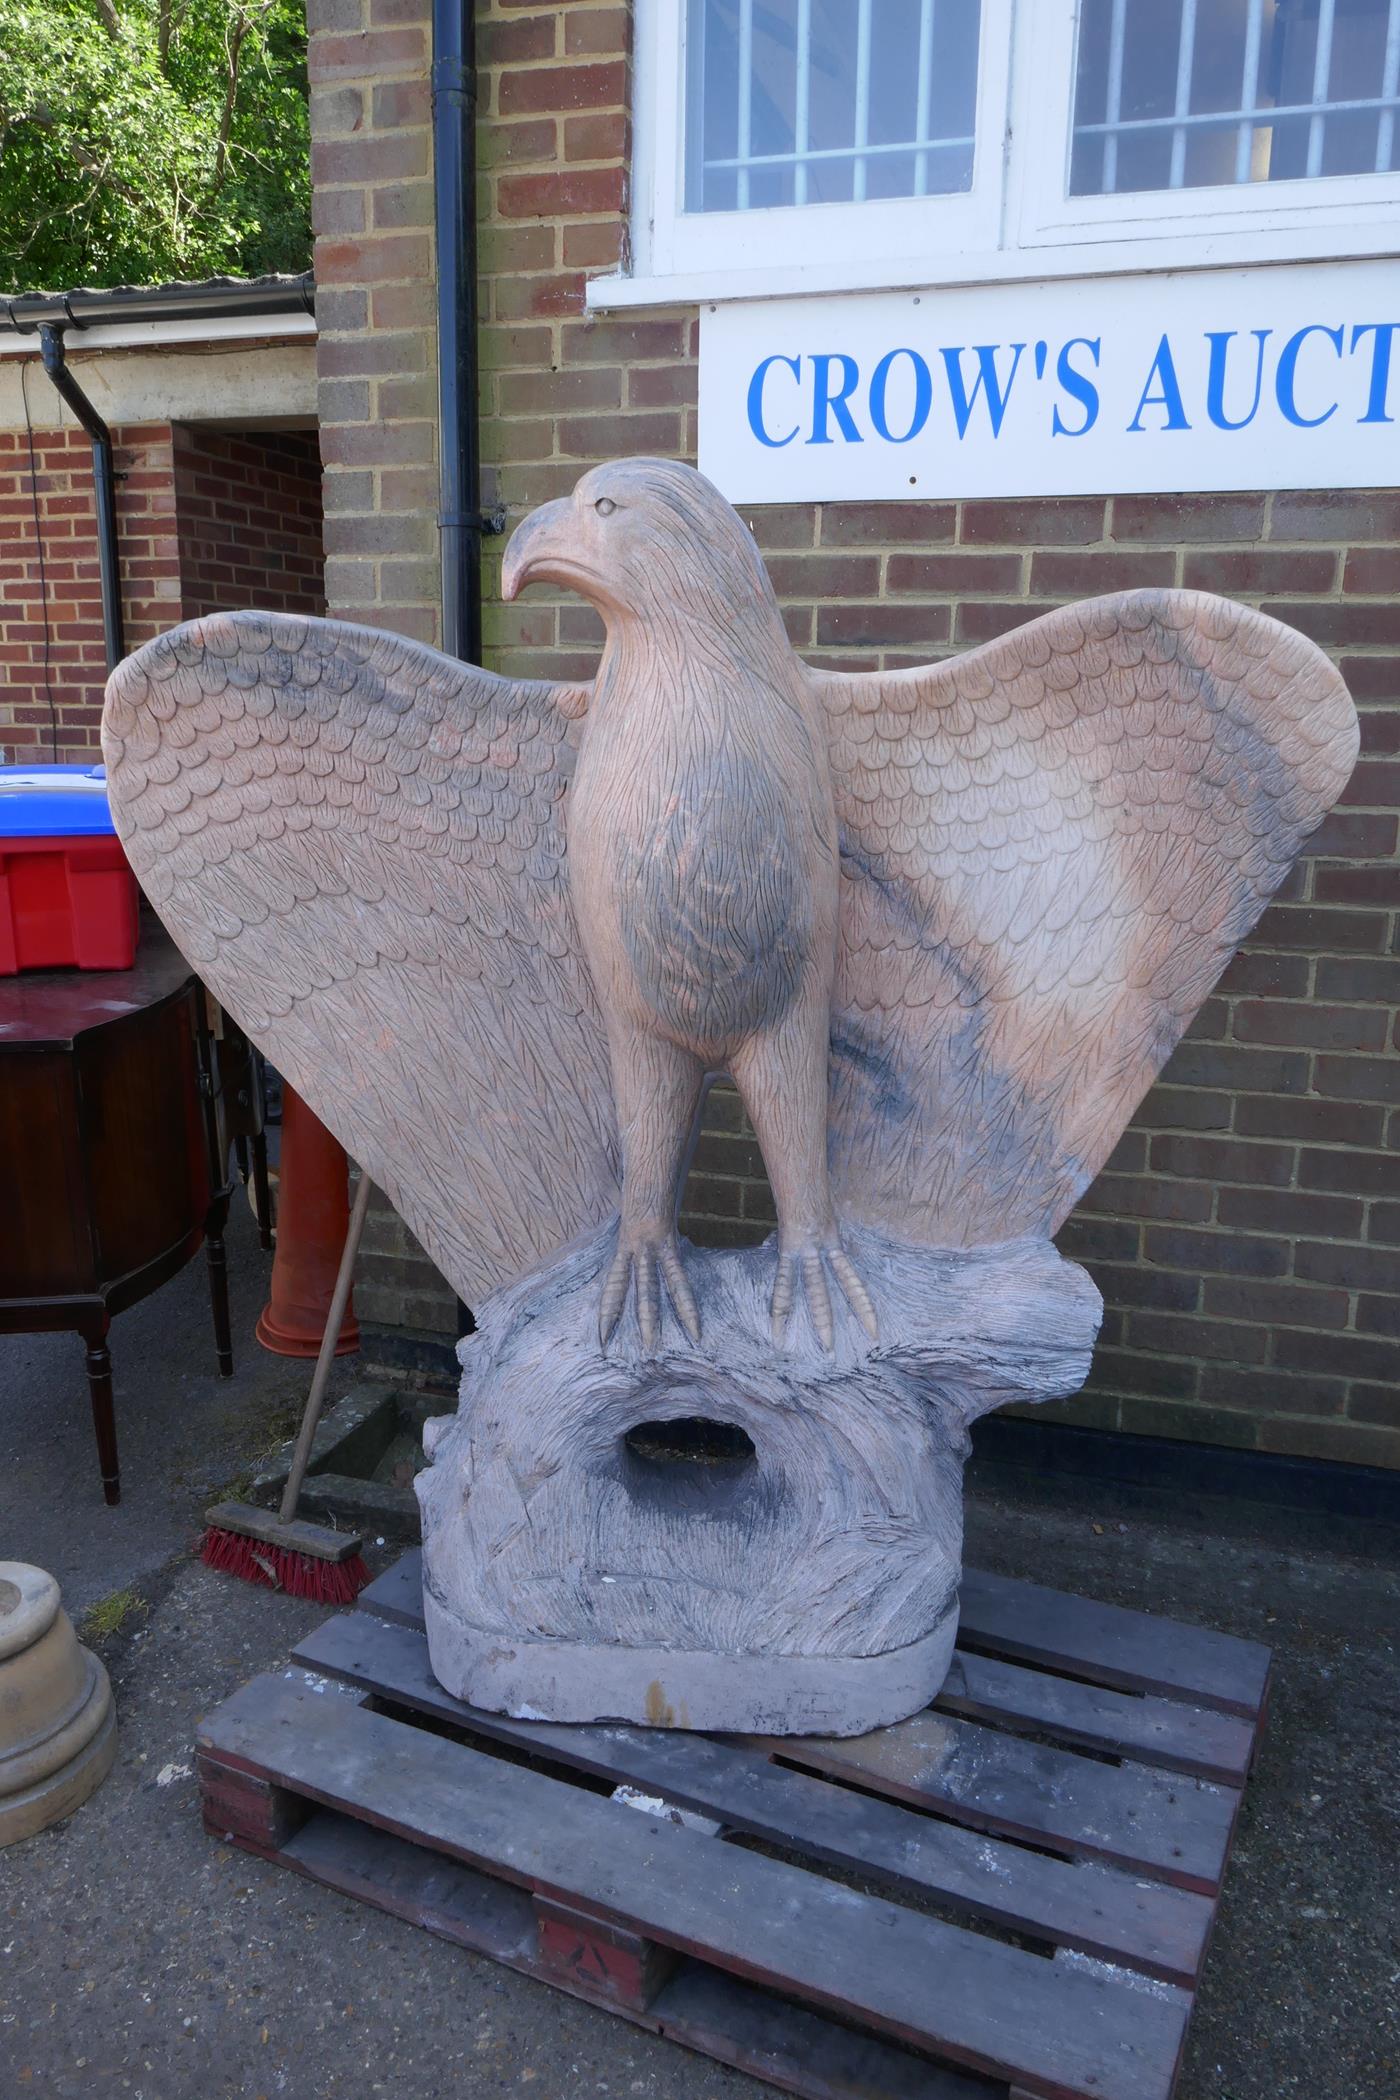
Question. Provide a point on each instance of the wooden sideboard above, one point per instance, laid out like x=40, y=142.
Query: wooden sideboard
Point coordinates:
x=111, y=1155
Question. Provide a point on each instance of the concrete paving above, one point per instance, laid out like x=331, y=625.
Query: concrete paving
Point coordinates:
x=140, y=1958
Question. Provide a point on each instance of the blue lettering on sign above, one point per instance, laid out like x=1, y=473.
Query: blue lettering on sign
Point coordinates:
x=1168, y=395
x=923, y=396
x=1384, y=333
x=825, y=403
x=1286, y=379
x=986, y=383
x=756, y=423
x=1077, y=384
x=825, y=397
x=1215, y=378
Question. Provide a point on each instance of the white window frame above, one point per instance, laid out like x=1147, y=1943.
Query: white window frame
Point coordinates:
x=1016, y=222
x=892, y=230
x=1045, y=216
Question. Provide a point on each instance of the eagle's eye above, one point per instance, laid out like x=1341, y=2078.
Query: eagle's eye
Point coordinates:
x=605, y=506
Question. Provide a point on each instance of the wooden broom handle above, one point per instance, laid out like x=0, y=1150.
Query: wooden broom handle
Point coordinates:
x=320, y=1377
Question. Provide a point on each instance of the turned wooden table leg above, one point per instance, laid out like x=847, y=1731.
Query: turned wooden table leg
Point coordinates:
x=104, y=1421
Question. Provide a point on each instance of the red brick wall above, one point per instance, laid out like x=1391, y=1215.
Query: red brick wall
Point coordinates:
x=1247, y=1232
x=376, y=358
x=205, y=522
x=248, y=515
x=68, y=664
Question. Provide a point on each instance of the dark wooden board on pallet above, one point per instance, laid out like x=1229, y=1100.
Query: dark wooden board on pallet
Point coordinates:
x=1208, y=1745
x=945, y=1910
x=736, y=2022
x=1160, y=1931
x=1132, y=1649
x=1155, y=1822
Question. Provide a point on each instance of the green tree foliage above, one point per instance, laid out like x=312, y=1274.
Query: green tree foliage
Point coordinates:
x=142, y=140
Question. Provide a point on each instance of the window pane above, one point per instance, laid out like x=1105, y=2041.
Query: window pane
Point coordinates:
x=828, y=101
x=1185, y=94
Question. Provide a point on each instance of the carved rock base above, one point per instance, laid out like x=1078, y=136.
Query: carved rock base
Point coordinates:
x=766, y=1540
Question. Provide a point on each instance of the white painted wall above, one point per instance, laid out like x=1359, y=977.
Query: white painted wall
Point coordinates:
x=257, y=383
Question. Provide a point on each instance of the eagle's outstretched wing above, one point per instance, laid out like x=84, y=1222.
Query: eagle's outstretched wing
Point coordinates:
x=358, y=844
x=1050, y=849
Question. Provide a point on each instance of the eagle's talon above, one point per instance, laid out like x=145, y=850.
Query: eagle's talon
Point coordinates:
x=857, y=1296
x=781, y=1304
x=818, y=1298
x=641, y=1262
x=813, y=1272
x=678, y=1289
x=614, y=1296
x=648, y=1297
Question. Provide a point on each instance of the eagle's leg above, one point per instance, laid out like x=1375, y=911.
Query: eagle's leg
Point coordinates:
x=657, y=1089
x=781, y=1075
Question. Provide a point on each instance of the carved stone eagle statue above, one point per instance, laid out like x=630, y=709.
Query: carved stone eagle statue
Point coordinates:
x=943, y=925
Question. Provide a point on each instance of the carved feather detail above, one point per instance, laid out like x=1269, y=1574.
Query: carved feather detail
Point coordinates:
x=1050, y=849
x=358, y=844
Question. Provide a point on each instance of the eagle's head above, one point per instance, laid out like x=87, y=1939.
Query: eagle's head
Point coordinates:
x=641, y=538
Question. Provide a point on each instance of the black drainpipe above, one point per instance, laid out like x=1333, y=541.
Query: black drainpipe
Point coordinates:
x=460, y=519
x=461, y=523
x=104, y=487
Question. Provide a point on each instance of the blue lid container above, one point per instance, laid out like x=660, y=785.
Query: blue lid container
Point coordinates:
x=54, y=802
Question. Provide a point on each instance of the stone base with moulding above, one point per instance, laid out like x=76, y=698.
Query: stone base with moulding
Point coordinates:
x=58, y=1731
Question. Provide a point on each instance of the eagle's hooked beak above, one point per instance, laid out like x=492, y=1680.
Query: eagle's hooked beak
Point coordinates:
x=539, y=550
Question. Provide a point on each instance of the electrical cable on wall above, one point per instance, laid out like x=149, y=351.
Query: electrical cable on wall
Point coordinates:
x=43, y=570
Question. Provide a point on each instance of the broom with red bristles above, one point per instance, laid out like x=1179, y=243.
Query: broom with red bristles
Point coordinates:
x=283, y=1551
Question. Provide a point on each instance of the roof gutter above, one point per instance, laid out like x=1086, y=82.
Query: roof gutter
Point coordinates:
x=217, y=299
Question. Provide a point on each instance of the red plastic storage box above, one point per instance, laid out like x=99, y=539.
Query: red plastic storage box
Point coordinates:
x=67, y=893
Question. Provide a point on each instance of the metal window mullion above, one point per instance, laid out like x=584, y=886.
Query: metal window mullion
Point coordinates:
x=862, y=110
x=1322, y=69
x=744, y=140
x=802, y=113
x=1249, y=87
x=924, y=110
x=1390, y=79
x=1113, y=97
x=816, y=153
x=1185, y=59
x=1203, y=119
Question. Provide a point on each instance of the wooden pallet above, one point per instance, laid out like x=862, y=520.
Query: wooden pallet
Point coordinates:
x=1009, y=1894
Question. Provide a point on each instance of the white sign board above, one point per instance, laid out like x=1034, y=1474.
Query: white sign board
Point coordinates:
x=1213, y=379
